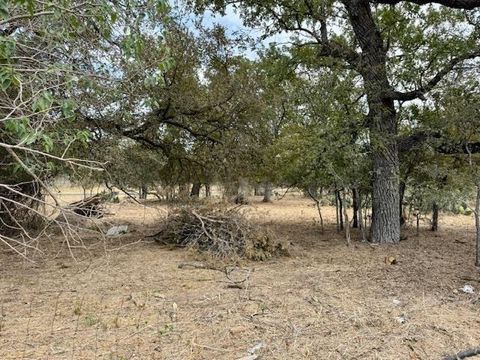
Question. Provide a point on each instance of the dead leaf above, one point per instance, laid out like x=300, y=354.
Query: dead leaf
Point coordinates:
x=390, y=260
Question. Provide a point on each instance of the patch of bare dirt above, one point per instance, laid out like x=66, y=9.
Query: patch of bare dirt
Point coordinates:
x=326, y=301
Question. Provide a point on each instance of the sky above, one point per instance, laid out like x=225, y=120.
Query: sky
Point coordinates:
x=233, y=23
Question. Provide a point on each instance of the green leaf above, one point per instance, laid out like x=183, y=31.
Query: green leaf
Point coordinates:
x=29, y=138
x=17, y=127
x=43, y=102
x=3, y=9
x=84, y=135
x=68, y=108
x=47, y=143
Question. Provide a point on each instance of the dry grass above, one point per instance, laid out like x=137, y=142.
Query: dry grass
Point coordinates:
x=327, y=301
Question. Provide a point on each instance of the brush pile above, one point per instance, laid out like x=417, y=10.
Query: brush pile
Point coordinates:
x=92, y=206
x=221, y=232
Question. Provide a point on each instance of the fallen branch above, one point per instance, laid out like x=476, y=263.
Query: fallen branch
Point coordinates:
x=463, y=354
x=197, y=265
x=89, y=207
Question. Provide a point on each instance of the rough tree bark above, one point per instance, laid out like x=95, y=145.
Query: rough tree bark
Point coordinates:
x=403, y=185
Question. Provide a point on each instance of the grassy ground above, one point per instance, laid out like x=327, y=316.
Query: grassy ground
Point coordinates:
x=129, y=300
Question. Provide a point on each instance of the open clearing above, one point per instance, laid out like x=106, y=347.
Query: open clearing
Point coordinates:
x=326, y=301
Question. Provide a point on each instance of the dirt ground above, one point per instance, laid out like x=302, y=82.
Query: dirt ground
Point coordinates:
x=128, y=299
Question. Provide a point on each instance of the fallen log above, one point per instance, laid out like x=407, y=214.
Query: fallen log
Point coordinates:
x=463, y=354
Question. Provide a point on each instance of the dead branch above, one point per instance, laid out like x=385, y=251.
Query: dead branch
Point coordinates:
x=464, y=354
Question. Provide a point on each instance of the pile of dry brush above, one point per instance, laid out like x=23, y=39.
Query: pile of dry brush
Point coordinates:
x=219, y=231
x=92, y=206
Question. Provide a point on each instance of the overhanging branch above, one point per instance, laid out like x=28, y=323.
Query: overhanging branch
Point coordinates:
x=418, y=93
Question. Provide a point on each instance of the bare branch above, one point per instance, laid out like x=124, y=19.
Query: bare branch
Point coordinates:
x=25, y=16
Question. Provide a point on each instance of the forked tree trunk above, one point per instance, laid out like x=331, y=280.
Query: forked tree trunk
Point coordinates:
x=319, y=208
x=434, y=217
x=267, y=194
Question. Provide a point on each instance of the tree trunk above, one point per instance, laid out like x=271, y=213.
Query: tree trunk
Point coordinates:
x=267, y=193
x=434, y=217
x=311, y=190
x=386, y=199
x=242, y=197
x=417, y=215
x=143, y=192
x=340, y=208
x=477, y=226
x=319, y=208
x=183, y=191
x=382, y=123
x=196, y=187
x=337, y=212
x=360, y=216
x=230, y=189
x=366, y=214
x=345, y=214
x=208, y=190
x=355, y=208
